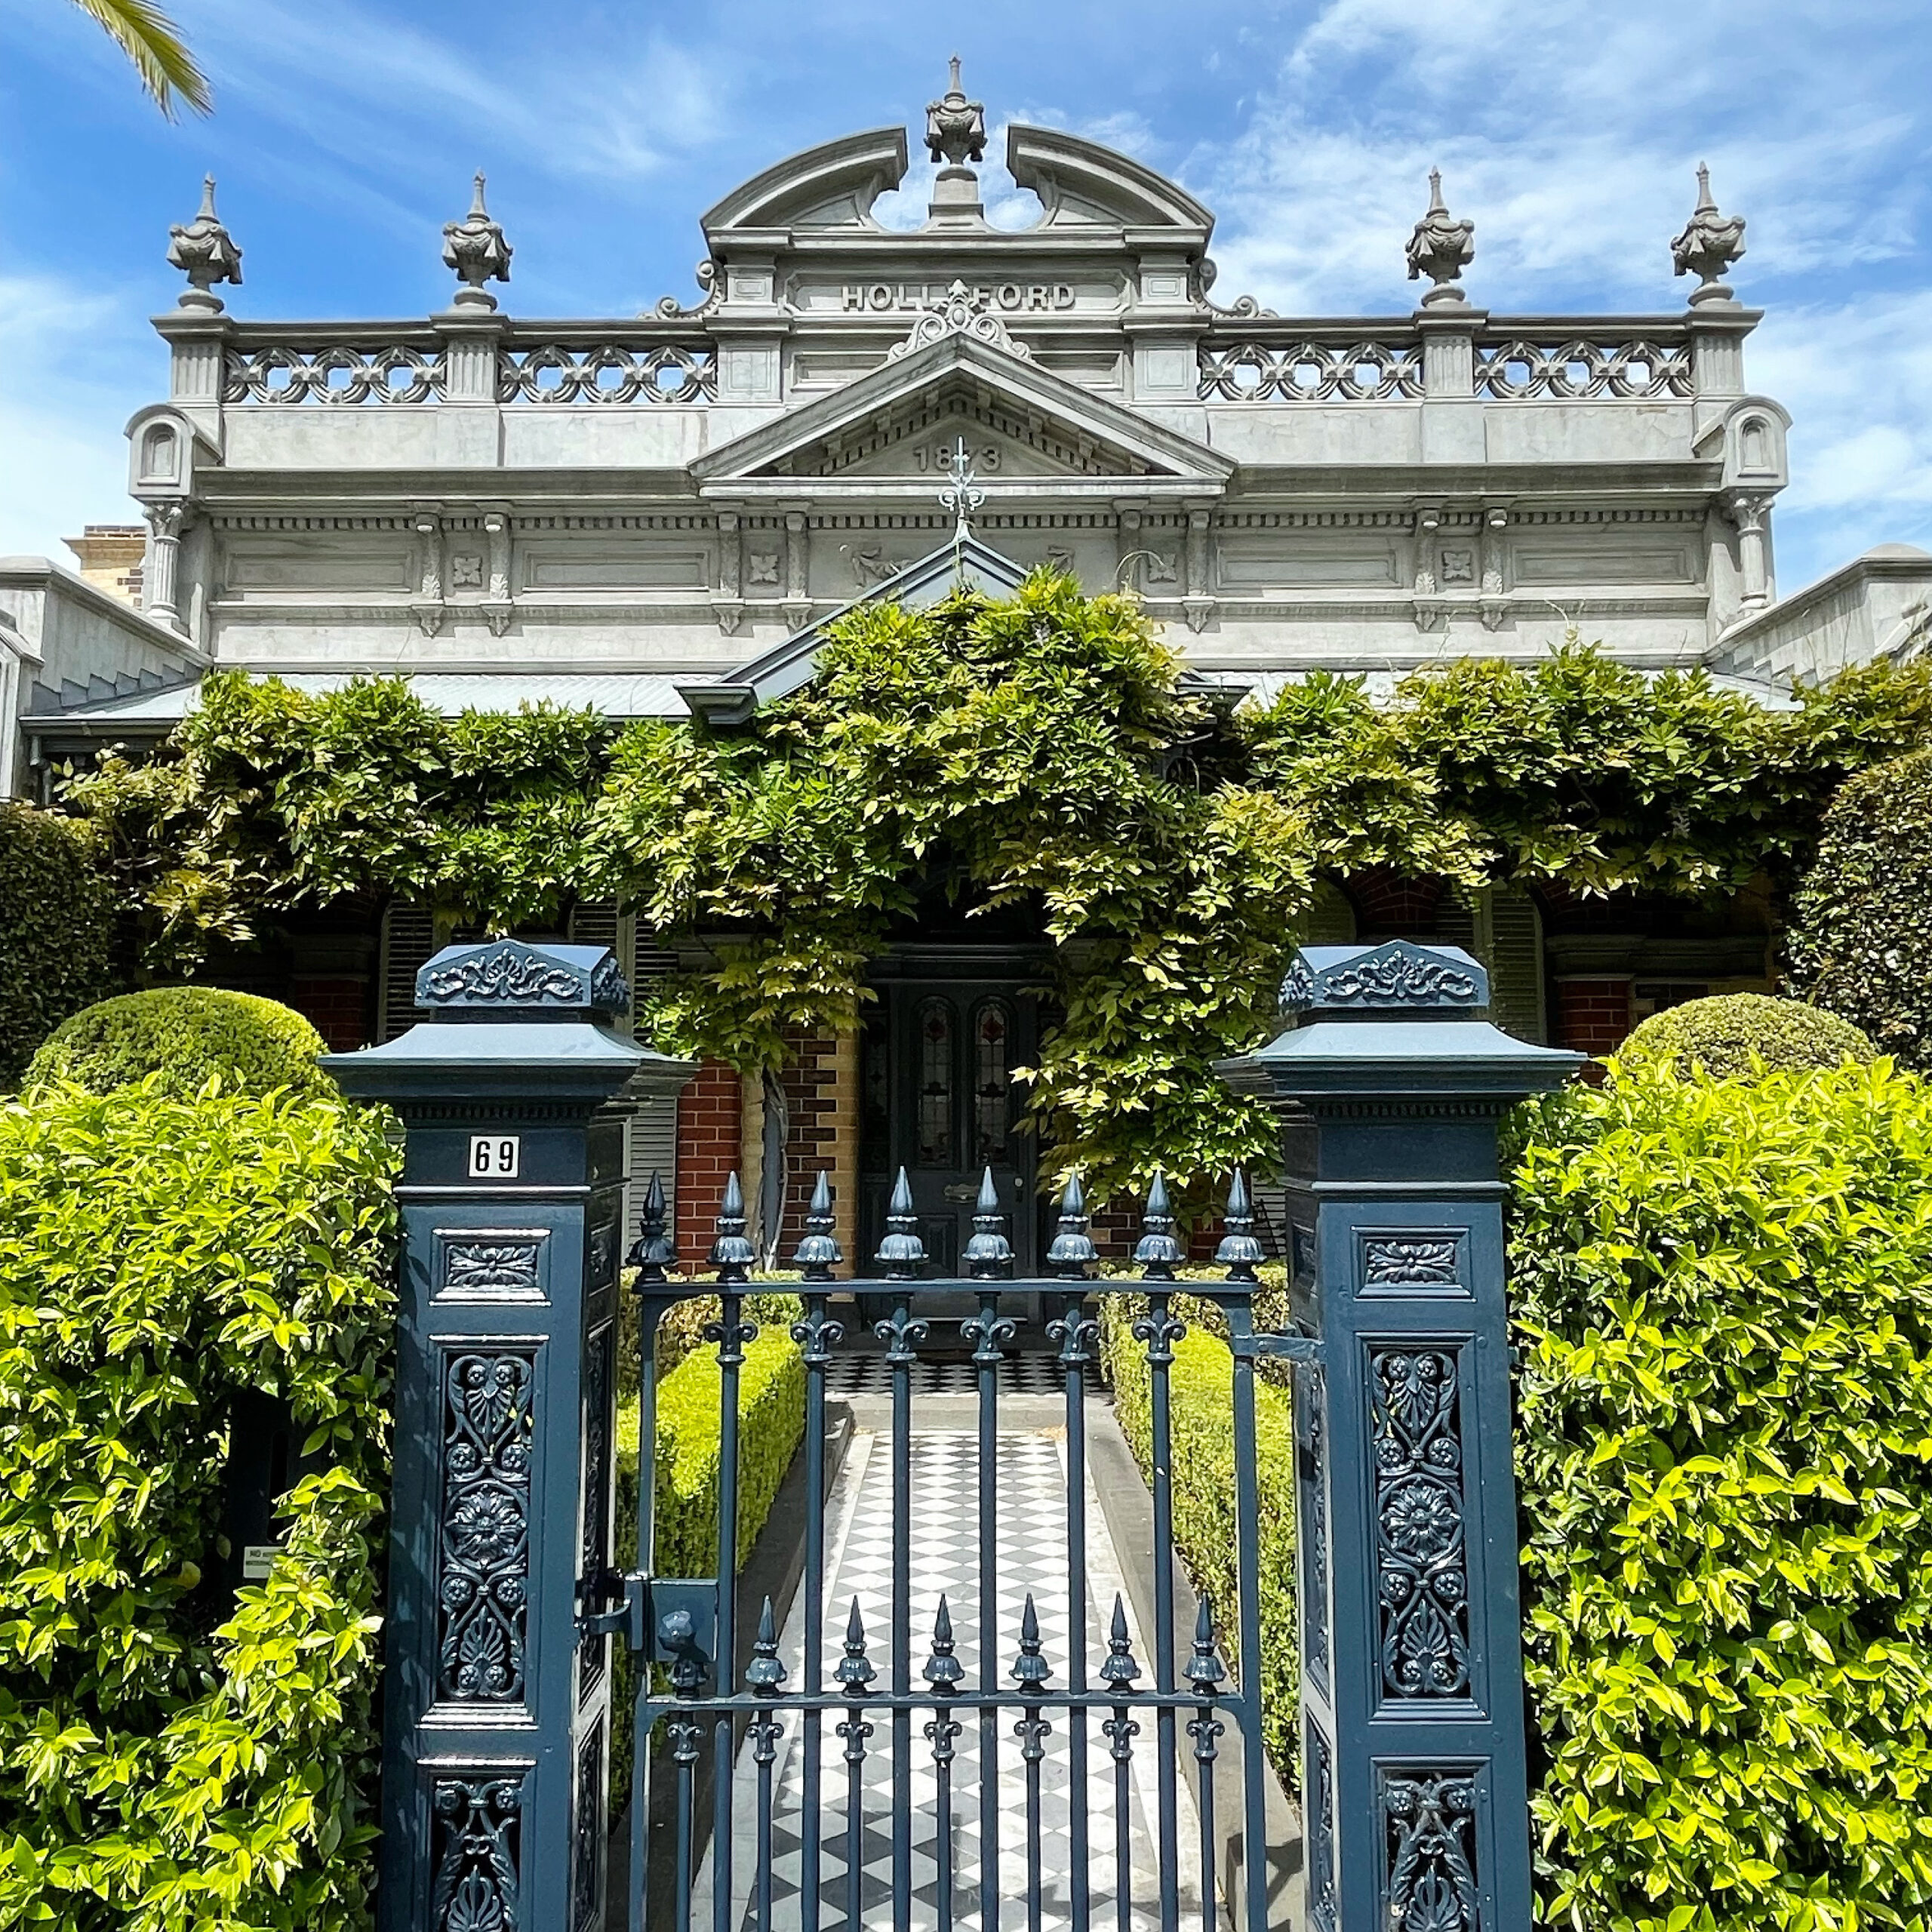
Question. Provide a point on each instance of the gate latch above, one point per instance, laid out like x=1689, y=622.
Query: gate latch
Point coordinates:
x=1294, y=1348
x=673, y=1620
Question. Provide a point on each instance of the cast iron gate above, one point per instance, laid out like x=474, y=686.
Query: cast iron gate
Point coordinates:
x=903, y=1691
x=504, y=1605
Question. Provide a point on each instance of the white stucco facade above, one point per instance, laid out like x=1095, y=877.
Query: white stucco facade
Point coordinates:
x=613, y=508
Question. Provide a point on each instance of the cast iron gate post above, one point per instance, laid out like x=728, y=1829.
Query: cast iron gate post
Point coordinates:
x=1390, y=1083
x=497, y=1705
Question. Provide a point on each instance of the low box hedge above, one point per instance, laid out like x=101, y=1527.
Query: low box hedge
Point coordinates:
x=772, y=1423
x=1200, y=1385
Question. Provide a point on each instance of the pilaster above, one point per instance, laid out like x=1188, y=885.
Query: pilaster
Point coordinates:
x=1452, y=416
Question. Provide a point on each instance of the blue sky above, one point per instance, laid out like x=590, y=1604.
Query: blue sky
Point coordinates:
x=344, y=137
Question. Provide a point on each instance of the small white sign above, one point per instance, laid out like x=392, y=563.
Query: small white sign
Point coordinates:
x=495, y=1156
x=257, y=1560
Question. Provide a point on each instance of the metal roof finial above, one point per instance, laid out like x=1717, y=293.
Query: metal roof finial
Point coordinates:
x=962, y=496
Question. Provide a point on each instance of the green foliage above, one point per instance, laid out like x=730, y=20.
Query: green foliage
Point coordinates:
x=57, y=928
x=1737, y=1034
x=1039, y=754
x=1202, y=1436
x=184, y=1035
x=1861, y=941
x=1724, y=1289
x=158, y=1256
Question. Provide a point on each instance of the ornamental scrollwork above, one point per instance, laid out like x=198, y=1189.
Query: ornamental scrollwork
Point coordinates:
x=1398, y=975
x=340, y=376
x=610, y=991
x=477, y=1823
x=1429, y=1832
x=587, y=1832
x=1393, y=1260
x=1367, y=371
x=1572, y=370
x=492, y=1267
x=594, y=1555
x=483, y=1588
x=610, y=373
x=1311, y=1410
x=1421, y=1558
x=1323, y=1908
x=508, y=972
x=960, y=314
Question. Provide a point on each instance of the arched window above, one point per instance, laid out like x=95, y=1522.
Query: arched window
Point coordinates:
x=938, y=1083
x=992, y=1083
x=158, y=463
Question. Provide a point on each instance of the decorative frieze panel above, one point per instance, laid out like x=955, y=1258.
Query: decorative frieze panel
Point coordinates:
x=1428, y=1825
x=477, y=1825
x=587, y=1832
x=594, y=1553
x=1411, y=1262
x=1322, y=1906
x=490, y=1264
x=609, y=373
x=1311, y=1413
x=1365, y=372
x=1422, y=1568
x=337, y=375
x=1579, y=370
x=484, y=1534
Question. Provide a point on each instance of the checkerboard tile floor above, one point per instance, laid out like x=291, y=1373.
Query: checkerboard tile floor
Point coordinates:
x=1031, y=1558
x=866, y=1374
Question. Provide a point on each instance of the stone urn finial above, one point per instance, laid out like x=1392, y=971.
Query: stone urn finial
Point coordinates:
x=1441, y=248
x=205, y=252
x=1709, y=245
x=955, y=126
x=475, y=249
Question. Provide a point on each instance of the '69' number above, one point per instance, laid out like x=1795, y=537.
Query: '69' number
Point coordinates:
x=495, y=1156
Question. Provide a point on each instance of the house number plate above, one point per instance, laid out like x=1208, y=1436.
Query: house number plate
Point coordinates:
x=495, y=1156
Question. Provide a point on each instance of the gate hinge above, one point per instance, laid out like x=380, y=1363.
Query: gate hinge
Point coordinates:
x=1294, y=1348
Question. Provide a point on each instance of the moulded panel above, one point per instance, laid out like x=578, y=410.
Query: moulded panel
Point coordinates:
x=317, y=565
x=645, y=566
x=1362, y=432
x=1292, y=559
x=1607, y=560
x=1546, y=432
x=324, y=436
x=642, y=436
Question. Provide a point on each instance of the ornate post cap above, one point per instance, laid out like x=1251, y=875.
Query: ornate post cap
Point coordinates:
x=507, y=1017
x=475, y=249
x=1440, y=247
x=1709, y=245
x=1393, y=1020
x=205, y=252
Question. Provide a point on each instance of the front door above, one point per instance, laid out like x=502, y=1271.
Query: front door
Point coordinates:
x=940, y=1100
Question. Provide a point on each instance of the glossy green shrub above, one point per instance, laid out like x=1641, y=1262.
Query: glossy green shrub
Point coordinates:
x=1861, y=942
x=56, y=928
x=1723, y=1291
x=167, y=1763
x=184, y=1035
x=1736, y=1034
x=1201, y=1429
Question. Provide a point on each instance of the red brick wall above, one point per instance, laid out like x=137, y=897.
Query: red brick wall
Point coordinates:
x=710, y=1115
x=338, y=1009
x=1592, y=1016
x=810, y=1077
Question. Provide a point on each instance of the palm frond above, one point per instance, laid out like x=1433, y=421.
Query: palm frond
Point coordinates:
x=153, y=42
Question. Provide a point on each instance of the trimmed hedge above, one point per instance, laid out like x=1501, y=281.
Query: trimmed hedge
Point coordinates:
x=160, y=1257
x=1737, y=1036
x=1724, y=1292
x=184, y=1035
x=772, y=1423
x=1201, y=1385
x=57, y=928
x=1861, y=942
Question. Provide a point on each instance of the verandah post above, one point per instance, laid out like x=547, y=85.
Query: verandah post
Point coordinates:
x=497, y=1730
x=1390, y=1084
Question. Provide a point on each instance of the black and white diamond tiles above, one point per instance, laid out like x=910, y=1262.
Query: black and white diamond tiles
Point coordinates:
x=866, y=1374
x=1031, y=1557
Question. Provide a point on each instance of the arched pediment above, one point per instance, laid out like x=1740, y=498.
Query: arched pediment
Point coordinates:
x=833, y=186
x=1082, y=184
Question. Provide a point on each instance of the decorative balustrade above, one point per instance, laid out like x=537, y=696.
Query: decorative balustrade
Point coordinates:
x=1368, y=370
x=1516, y=358
x=342, y=373
x=1581, y=368
x=608, y=372
x=575, y=363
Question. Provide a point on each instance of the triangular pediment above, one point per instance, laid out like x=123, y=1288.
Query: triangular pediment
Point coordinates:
x=1019, y=420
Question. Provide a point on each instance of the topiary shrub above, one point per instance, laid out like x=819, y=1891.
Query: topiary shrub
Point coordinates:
x=184, y=1034
x=1724, y=1295
x=1861, y=942
x=1721, y=1035
x=57, y=928
x=168, y=1760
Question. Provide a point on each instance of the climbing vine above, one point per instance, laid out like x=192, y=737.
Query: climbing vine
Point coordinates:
x=1045, y=755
